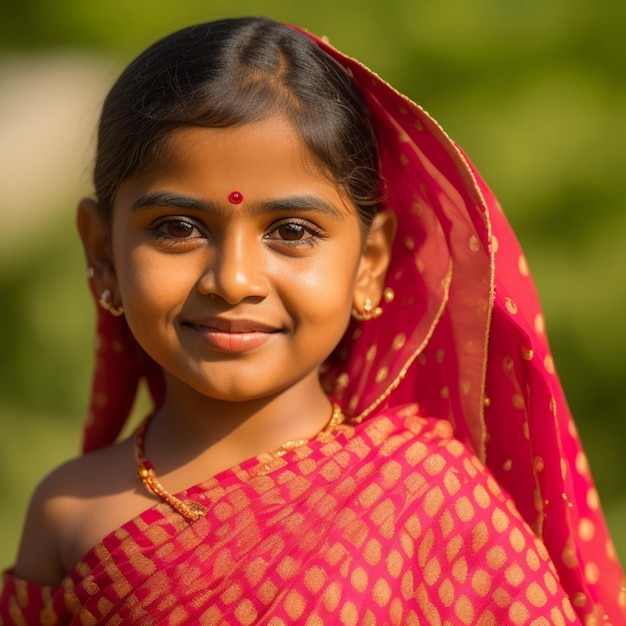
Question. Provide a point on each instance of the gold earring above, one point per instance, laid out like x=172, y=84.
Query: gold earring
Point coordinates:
x=106, y=302
x=369, y=311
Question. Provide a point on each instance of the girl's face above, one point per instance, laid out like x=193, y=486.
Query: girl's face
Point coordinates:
x=238, y=261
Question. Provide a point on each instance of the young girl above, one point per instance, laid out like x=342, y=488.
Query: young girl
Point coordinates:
x=356, y=415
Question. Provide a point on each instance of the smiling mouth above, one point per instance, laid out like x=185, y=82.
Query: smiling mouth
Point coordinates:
x=233, y=335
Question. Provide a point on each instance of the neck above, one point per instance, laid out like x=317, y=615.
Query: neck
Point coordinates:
x=194, y=428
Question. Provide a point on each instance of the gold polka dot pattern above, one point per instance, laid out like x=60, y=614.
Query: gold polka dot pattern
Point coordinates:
x=391, y=522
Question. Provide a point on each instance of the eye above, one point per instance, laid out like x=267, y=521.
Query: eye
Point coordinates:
x=294, y=233
x=177, y=228
x=291, y=232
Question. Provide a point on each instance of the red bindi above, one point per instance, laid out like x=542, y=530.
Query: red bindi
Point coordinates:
x=235, y=197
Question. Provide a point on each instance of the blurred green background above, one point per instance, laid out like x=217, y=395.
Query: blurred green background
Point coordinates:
x=533, y=90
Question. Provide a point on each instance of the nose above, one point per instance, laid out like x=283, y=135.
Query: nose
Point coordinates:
x=236, y=271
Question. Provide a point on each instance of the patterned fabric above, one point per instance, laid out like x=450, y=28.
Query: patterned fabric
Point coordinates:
x=394, y=521
x=391, y=522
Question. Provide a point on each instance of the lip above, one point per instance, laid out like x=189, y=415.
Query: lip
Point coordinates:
x=232, y=335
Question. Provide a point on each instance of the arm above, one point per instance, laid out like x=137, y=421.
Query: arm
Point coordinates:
x=38, y=558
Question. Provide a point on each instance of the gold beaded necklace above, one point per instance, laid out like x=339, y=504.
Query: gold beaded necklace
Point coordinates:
x=189, y=509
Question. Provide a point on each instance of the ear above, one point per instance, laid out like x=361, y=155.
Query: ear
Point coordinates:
x=375, y=259
x=95, y=233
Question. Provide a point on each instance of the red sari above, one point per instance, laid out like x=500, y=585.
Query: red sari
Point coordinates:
x=391, y=521
x=456, y=491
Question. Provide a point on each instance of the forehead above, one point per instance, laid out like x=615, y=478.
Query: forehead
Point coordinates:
x=261, y=160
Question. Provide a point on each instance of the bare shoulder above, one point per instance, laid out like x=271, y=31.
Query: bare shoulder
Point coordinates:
x=73, y=508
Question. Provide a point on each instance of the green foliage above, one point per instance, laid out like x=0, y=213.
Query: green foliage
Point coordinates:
x=534, y=92
x=46, y=331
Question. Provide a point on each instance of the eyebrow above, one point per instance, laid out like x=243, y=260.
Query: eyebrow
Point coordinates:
x=304, y=202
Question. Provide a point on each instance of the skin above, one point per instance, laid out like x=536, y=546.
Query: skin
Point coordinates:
x=240, y=304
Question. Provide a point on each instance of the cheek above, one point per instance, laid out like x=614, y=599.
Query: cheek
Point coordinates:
x=151, y=280
x=322, y=294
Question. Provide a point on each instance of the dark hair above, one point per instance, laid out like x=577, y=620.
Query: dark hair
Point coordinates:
x=229, y=73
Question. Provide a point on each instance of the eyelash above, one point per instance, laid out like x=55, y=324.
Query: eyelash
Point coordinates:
x=162, y=237
x=314, y=231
